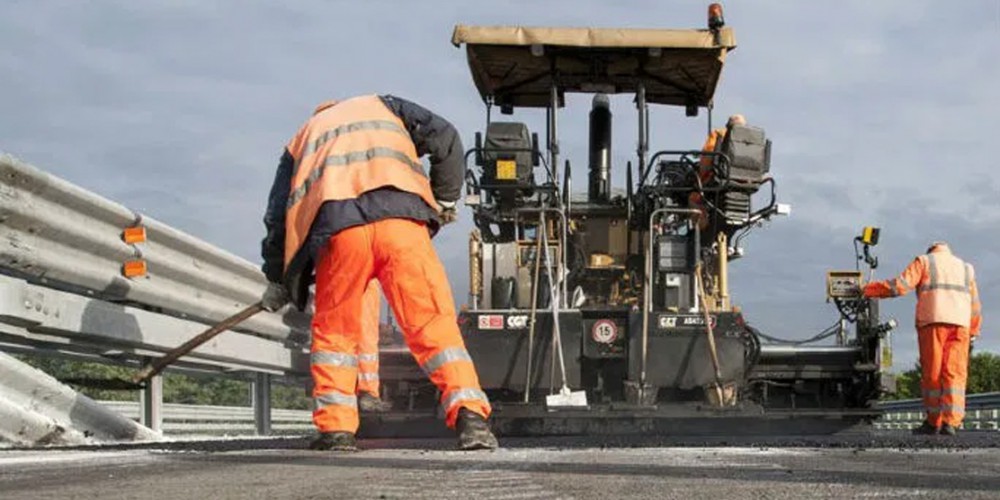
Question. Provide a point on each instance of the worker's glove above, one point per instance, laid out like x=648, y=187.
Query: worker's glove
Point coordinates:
x=275, y=297
x=447, y=212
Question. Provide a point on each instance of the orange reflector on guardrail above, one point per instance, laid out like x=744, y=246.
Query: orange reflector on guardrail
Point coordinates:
x=133, y=235
x=134, y=268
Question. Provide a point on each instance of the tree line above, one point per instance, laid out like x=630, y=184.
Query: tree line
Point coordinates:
x=984, y=376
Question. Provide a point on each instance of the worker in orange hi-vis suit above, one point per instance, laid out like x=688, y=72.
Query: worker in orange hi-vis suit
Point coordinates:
x=705, y=172
x=368, y=381
x=351, y=203
x=948, y=317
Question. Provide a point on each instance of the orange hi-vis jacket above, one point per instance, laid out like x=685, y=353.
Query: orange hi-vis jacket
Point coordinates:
x=946, y=290
x=344, y=150
x=713, y=140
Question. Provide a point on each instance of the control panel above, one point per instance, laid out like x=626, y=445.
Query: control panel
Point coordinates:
x=843, y=284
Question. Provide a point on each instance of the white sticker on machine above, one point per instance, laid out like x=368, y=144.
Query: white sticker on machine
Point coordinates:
x=604, y=331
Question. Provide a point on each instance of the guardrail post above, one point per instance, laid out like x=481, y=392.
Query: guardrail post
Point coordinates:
x=261, y=392
x=152, y=404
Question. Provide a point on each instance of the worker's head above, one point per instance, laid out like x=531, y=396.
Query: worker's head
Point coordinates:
x=935, y=245
x=736, y=120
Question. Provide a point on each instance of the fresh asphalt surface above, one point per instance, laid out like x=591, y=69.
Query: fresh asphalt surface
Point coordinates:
x=883, y=464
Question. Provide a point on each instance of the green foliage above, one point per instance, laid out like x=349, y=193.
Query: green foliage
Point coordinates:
x=63, y=369
x=984, y=373
x=984, y=376
x=177, y=388
x=908, y=384
x=290, y=397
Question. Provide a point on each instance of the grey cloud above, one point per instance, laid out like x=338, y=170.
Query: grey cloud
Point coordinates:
x=878, y=112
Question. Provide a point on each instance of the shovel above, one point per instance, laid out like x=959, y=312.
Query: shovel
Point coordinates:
x=154, y=367
x=566, y=398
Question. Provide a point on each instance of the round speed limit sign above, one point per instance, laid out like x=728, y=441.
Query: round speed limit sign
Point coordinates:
x=605, y=331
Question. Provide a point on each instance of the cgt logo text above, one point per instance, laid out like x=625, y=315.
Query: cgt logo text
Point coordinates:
x=666, y=321
x=499, y=322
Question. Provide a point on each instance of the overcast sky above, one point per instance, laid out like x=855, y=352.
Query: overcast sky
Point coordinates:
x=881, y=113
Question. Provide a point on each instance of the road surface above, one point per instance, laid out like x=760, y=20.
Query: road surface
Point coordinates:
x=886, y=466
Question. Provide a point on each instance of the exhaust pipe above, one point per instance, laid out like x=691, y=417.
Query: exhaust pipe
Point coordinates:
x=599, y=189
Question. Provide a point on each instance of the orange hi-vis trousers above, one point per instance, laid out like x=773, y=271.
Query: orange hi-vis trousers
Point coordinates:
x=400, y=255
x=944, y=362
x=368, y=342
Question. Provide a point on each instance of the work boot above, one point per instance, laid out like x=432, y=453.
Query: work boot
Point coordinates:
x=334, y=441
x=948, y=430
x=473, y=432
x=368, y=403
x=925, y=428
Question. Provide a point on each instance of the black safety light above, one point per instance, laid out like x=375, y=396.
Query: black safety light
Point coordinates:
x=691, y=108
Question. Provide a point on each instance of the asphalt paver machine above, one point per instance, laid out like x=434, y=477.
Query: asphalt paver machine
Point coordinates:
x=608, y=311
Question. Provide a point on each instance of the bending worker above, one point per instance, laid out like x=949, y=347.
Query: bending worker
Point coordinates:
x=351, y=200
x=948, y=315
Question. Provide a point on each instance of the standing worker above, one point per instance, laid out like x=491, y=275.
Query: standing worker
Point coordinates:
x=351, y=201
x=948, y=315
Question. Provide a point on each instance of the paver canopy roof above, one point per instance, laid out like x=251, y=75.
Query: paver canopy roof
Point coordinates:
x=517, y=66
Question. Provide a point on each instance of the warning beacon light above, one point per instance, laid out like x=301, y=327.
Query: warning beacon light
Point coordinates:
x=715, y=19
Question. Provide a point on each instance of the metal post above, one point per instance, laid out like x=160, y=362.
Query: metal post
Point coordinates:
x=647, y=302
x=261, y=387
x=553, y=133
x=151, y=399
x=643, y=147
x=723, y=284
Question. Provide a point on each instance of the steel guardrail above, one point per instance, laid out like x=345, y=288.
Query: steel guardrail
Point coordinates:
x=985, y=400
x=982, y=412
x=63, y=290
x=59, y=235
x=188, y=419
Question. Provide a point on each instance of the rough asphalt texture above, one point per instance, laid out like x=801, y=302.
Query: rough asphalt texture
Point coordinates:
x=883, y=465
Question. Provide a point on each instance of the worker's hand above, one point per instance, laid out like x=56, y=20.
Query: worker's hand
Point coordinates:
x=448, y=216
x=447, y=212
x=275, y=297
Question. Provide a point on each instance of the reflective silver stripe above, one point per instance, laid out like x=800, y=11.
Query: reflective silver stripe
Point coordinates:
x=446, y=356
x=933, y=284
x=954, y=288
x=346, y=159
x=335, y=399
x=463, y=394
x=932, y=267
x=932, y=393
x=368, y=376
x=953, y=391
x=330, y=135
x=953, y=408
x=371, y=358
x=333, y=358
x=898, y=286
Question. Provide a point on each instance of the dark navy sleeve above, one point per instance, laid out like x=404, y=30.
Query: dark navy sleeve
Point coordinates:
x=273, y=245
x=433, y=135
